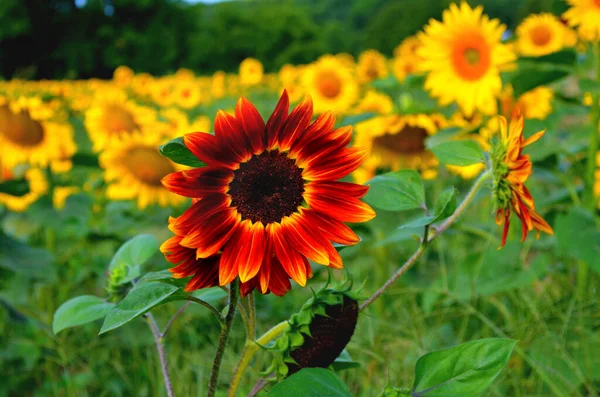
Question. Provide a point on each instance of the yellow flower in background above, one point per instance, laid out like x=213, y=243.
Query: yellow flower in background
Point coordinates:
x=251, y=72
x=31, y=133
x=201, y=124
x=372, y=65
x=183, y=74
x=396, y=142
x=331, y=85
x=375, y=102
x=187, y=94
x=123, y=76
x=113, y=117
x=60, y=194
x=142, y=84
x=290, y=79
x=217, y=85
x=534, y=104
x=162, y=92
x=542, y=34
x=597, y=184
x=346, y=59
x=133, y=170
x=38, y=186
x=408, y=47
x=463, y=56
x=585, y=16
x=406, y=59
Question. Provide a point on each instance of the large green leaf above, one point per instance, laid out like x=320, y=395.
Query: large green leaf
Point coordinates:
x=311, y=382
x=135, y=252
x=178, y=153
x=444, y=207
x=15, y=187
x=529, y=78
x=137, y=302
x=462, y=371
x=562, y=58
x=461, y=153
x=80, y=310
x=397, y=191
x=578, y=237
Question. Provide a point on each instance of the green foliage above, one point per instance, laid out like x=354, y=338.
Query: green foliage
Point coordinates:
x=80, y=310
x=177, y=152
x=461, y=153
x=311, y=382
x=397, y=191
x=15, y=187
x=461, y=371
x=578, y=237
x=444, y=207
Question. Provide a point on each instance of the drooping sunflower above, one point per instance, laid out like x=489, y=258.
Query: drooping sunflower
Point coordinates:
x=30, y=132
x=251, y=72
x=462, y=56
x=585, y=16
x=134, y=169
x=113, y=117
x=512, y=168
x=396, y=142
x=331, y=84
x=541, y=34
x=268, y=199
x=372, y=65
x=38, y=186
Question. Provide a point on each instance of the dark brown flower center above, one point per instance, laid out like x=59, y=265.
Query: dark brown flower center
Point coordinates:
x=410, y=140
x=267, y=187
x=20, y=128
x=148, y=165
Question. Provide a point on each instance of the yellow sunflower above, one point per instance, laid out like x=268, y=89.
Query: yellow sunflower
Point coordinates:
x=134, y=169
x=375, y=102
x=114, y=117
x=38, y=186
x=162, y=92
x=372, y=65
x=534, y=104
x=217, y=85
x=31, y=132
x=123, y=76
x=406, y=60
x=60, y=194
x=331, y=85
x=542, y=34
x=187, y=94
x=463, y=56
x=585, y=16
x=290, y=77
x=396, y=142
x=251, y=72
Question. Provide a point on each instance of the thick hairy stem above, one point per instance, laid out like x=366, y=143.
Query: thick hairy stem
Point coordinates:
x=234, y=294
x=161, y=353
x=429, y=237
x=252, y=347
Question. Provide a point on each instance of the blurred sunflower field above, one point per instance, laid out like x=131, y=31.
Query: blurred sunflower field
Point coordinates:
x=411, y=215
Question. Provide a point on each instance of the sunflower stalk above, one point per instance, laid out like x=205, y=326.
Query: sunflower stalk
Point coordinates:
x=234, y=295
x=429, y=237
x=158, y=339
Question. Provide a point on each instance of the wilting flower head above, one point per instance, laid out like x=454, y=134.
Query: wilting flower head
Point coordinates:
x=512, y=168
x=268, y=199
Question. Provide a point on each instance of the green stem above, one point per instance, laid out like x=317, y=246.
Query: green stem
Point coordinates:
x=234, y=295
x=429, y=237
x=252, y=347
x=252, y=315
x=208, y=306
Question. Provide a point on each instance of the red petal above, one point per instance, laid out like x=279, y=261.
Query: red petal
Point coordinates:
x=323, y=125
x=198, y=182
x=324, y=146
x=279, y=283
x=277, y=119
x=251, y=258
x=230, y=132
x=304, y=240
x=206, y=275
x=252, y=123
x=332, y=229
x=202, y=208
x=336, y=166
x=208, y=149
x=334, y=188
x=212, y=233
x=335, y=260
x=296, y=124
x=343, y=208
x=289, y=258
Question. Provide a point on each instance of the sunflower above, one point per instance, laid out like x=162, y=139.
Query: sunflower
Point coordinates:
x=290, y=77
x=38, y=186
x=585, y=15
x=462, y=57
x=406, y=60
x=512, y=168
x=123, y=76
x=372, y=65
x=134, y=169
x=331, y=84
x=217, y=84
x=268, y=200
x=30, y=132
x=375, y=102
x=541, y=34
x=534, y=104
x=187, y=94
x=162, y=92
x=395, y=142
x=113, y=117
x=251, y=72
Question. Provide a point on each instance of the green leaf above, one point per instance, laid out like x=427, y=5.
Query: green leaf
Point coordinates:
x=397, y=191
x=354, y=119
x=80, y=310
x=311, y=382
x=23, y=259
x=137, y=302
x=177, y=152
x=578, y=237
x=135, y=251
x=210, y=295
x=588, y=85
x=559, y=58
x=85, y=160
x=15, y=187
x=462, y=371
x=344, y=361
x=444, y=207
x=529, y=78
x=461, y=153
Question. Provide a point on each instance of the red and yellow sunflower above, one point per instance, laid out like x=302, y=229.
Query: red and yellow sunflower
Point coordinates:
x=512, y=168
x=268, y=200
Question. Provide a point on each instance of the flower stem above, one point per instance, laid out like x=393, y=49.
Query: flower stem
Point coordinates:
x=234, y=294
x=252, y=347
x=208, y=306
x=161, y=352
x=252, y=315
x=429, y=237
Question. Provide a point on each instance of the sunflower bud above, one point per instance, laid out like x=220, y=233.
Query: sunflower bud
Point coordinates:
x=318, y=333
x=114, y=285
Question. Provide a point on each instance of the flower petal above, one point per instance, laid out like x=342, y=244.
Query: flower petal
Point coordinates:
x=207, y=274
x=296, y=124
x=198, y=182
x=343, y=208
x=231, y=133
x=277, y=119
x=336, y=166
x=208, y=149
x=289, y=258
x=252, y=123
x=304, y=240
x=332, y=229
